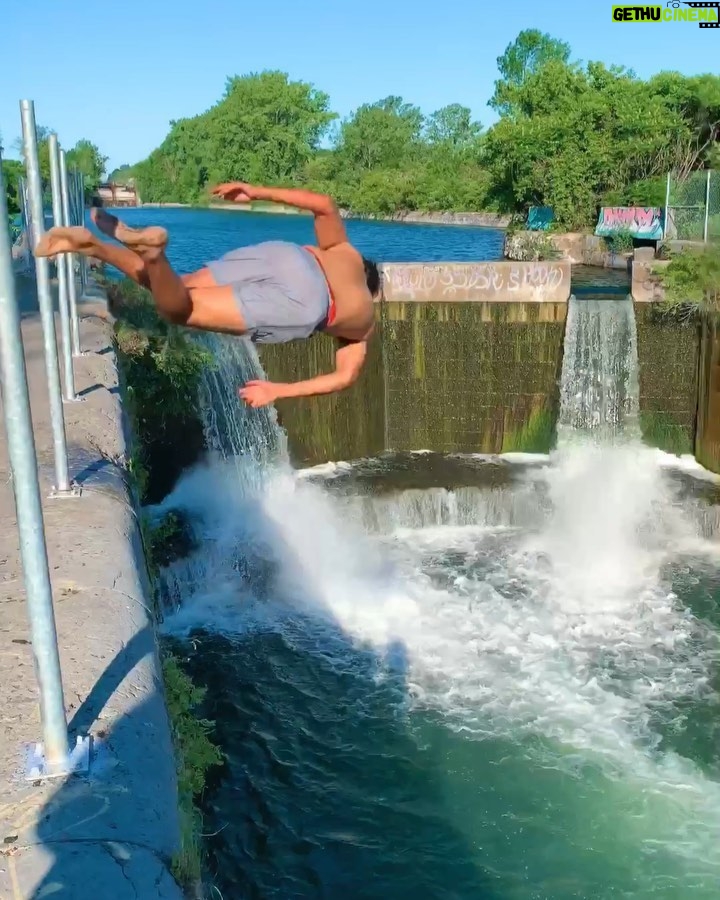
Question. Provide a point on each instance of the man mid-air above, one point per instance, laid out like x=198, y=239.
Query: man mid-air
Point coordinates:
x=271, y=292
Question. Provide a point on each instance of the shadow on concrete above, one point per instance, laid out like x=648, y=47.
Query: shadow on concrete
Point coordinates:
x=115, y=390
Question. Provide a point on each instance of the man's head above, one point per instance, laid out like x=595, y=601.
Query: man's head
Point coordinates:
x=372, y=276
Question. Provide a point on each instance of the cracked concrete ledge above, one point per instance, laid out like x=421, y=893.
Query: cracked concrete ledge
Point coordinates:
x=110, y=834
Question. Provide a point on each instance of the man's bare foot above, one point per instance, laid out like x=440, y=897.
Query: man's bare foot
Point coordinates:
x=146, y=242
x=66, y=240
x=104, y=221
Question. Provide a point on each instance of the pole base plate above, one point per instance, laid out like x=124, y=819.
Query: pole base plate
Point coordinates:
x=77, y=761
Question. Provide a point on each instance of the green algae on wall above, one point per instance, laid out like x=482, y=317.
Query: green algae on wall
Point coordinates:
x=668, y=361
x=707, y=443
x=470, y=377
x=337, y=426
x=453, y=377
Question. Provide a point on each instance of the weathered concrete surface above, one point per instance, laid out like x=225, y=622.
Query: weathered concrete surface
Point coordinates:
x=668, y=361
x=645, y=284
x=499, y=282
x=707, y=441
x=111, y=834
x=481, y=219
x=448, y=377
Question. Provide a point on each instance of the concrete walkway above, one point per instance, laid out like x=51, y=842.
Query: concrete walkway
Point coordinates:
x=110, y=834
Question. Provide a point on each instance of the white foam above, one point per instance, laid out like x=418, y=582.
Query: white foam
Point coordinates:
x=568, y=633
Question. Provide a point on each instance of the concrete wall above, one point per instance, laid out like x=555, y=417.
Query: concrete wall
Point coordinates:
x=645, y=286
x=668, y=356
x=707, y=441
x=449, y=376
x=118, y=827
x=504, y=282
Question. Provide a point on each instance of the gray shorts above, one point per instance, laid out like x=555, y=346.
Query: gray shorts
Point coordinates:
x=280, y=290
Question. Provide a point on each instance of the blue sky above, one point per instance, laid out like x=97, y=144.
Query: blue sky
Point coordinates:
x=155, y=60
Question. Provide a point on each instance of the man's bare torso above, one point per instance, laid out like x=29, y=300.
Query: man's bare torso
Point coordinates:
x=354, y=307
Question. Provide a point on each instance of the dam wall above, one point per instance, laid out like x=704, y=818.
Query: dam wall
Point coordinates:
x=465, y=359
x=463, y=362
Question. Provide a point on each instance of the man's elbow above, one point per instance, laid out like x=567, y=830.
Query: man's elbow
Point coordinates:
x=327, y=206
x=347, y=379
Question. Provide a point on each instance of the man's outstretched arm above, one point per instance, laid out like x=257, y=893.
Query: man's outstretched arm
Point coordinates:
x=329, y=225
x=349, y=360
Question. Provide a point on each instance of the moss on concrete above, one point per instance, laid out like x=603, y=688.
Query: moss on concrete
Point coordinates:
x=668, y=355
x=195, y=753
x=161, y=370
x=448, y=377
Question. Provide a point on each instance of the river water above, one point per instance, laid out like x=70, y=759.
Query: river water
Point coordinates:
x=200, y=235
x=457, y=677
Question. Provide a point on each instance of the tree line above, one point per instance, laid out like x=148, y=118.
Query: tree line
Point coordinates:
x=84, y=156
x=569, y=135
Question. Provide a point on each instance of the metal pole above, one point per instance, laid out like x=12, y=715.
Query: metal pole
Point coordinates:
x=707, y=207
x=62, y=272
x=42, y=276
x=70, y=258
x=80, y=191
x=21, y=450
x=667, y=207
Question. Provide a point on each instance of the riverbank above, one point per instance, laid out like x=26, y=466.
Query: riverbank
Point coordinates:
x=118, y=826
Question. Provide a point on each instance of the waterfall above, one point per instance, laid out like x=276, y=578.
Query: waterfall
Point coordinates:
x=251, y=438
x=599, y=387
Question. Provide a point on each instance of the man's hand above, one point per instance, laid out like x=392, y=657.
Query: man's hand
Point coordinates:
x=235, y=191
x=260, y=393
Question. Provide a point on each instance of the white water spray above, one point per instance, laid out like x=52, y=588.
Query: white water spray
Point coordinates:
x=539, y=612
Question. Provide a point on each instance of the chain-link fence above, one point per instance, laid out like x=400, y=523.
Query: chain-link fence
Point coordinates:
x=693, y=207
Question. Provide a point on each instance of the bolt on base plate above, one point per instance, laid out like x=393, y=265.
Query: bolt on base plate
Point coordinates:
x=77, y=762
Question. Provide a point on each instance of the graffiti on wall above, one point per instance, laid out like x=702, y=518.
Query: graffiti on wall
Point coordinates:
x=527, y=280
x=640, y=221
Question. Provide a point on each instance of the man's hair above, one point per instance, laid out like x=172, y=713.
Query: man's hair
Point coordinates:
x=372, y=276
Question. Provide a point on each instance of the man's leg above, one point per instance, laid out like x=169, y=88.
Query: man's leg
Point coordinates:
x=78, y=239
x=211, y=310
x=194, y=300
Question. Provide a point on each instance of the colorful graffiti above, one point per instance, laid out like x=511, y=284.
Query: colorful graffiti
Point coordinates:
x=640, y=221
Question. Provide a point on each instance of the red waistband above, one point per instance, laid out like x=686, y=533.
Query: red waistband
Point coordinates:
x=331, y=305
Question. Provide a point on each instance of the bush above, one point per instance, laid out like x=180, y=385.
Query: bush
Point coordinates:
x=530, y=246
x=692, y=282
x=195, y=753
x=620, y=242
x=162, y=368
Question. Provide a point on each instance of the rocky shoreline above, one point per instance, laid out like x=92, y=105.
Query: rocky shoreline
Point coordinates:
x=481, y=219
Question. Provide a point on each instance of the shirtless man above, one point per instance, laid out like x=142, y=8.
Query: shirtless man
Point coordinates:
x=271, y=292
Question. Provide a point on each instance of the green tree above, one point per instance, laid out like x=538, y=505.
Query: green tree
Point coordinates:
x=86, y=157
x=266, y=128
x=452, y=128
x=382, y=135
x=575, y=136
x=12, y=170
x=526, y=55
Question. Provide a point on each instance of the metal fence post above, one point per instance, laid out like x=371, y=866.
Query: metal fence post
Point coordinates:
x=70, y=259
x=21, y=450
x=78, y=183
x=62, y=272
x=707, y=207
x=42, y=277
x=667, y=207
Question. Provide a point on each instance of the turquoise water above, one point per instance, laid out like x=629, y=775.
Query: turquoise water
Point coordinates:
x=452, y=679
